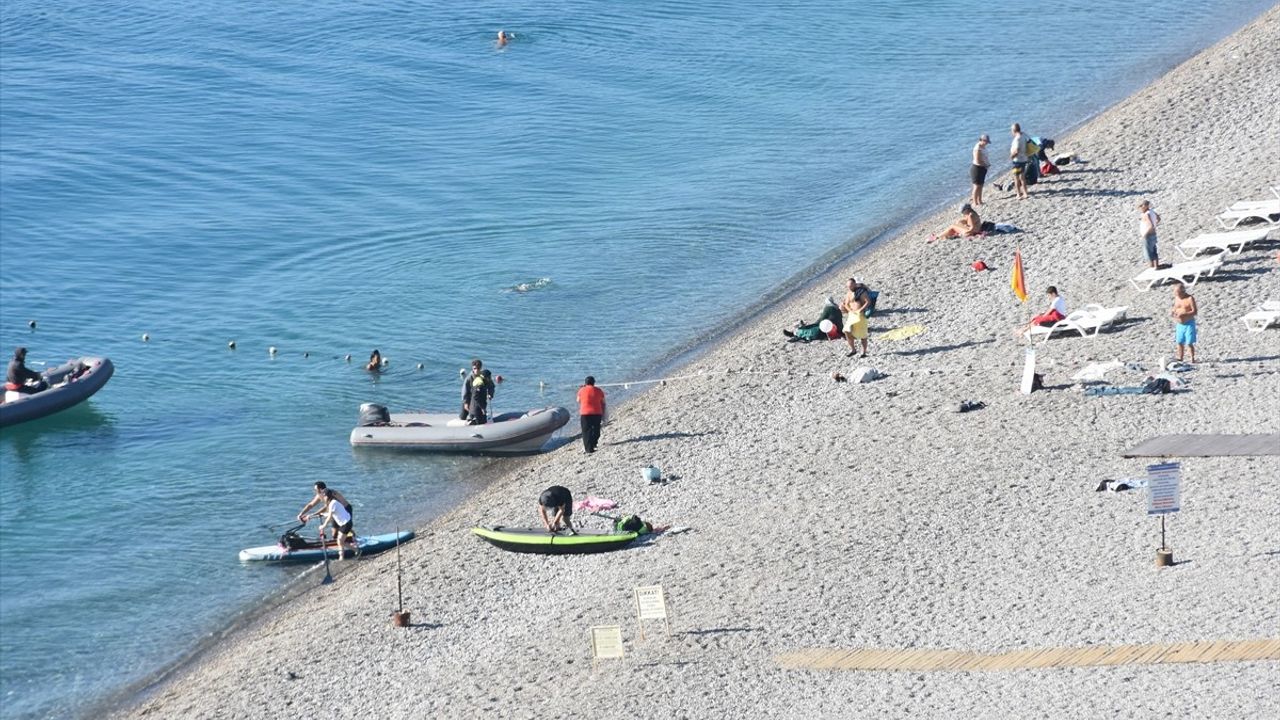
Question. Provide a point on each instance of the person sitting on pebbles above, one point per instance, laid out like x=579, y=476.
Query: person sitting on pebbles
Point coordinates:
x=968, y=225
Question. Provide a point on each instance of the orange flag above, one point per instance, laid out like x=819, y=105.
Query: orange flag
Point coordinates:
x=1017, y=281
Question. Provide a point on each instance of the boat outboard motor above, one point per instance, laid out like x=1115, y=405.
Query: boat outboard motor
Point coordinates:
x=372, y=414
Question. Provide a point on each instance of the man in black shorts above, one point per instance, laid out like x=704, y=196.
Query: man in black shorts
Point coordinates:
x=557, y=501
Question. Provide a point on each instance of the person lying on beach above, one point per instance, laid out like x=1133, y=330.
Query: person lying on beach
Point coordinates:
x=375, y=362
x=826, y=327
x=557, y=501
x=1057, y=311
x=968, y=225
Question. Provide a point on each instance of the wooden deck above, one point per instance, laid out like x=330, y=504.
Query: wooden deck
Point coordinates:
x=918, y=660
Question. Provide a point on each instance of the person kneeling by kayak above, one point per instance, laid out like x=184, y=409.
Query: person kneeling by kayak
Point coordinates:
x=336, y=515
x=558, y=501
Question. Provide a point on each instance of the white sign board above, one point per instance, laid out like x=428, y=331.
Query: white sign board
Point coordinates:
x=606, y=642
x=1164, y=491
x=651, y=604
x=1029, y=371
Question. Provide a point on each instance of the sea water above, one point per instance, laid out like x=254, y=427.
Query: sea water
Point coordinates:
x=330, y=177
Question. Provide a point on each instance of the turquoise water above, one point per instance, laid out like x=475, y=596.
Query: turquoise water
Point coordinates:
x=331, y=177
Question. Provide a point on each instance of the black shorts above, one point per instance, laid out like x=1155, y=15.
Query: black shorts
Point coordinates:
x=978, y=174
x=344, y=528
x=555, y=498
x=1019, y=167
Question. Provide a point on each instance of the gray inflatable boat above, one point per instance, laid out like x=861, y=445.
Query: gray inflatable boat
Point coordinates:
x=69, y=384
x=510, y=433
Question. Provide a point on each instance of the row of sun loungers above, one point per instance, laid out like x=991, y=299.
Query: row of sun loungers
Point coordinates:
x=1092, y=319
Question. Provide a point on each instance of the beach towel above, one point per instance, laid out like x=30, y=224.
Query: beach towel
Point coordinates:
x=1004, y=228
x=1095, y=372
x=902, y=333
x=594, y=504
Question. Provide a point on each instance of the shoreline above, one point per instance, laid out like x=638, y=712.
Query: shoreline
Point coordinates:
x=750, y=331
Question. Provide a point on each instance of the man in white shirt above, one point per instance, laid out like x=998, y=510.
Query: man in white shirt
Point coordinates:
x=1057, y=311
x=1147, y=222
x=1018, y=154
x=337, y=517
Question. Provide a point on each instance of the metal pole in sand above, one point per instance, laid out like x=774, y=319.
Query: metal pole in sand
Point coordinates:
x=399, y=618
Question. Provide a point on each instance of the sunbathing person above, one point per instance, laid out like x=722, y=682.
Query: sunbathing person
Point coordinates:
x=968, y=225
x=1057, y=311
x=808, y=332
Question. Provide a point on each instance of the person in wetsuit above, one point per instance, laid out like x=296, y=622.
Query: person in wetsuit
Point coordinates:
x=19, y=375
x=477, y=390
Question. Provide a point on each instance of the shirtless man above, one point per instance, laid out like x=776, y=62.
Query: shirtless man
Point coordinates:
x=968, y=225
x=1148, y=219
x=1184, y=313
x=978, y=170
x=856, y=300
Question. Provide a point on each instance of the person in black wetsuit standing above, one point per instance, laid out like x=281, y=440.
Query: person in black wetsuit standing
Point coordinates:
x=477, y=390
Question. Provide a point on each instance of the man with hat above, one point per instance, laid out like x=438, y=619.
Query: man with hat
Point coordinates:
x=19, y=375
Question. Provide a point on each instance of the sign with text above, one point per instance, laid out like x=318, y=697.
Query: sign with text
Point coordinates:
x=651, y=604
x=1164, y=491
x=606, y=642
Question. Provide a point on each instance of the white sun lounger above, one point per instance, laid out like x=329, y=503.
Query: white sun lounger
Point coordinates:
x=1244, y=210
x=1262, y=317
x=1088, y=320
x=1188, y=272
x=1223, y=241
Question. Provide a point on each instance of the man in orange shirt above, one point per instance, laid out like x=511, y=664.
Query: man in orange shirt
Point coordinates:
x=591, y=410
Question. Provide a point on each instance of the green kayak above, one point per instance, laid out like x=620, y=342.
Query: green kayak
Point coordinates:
x=538, y=540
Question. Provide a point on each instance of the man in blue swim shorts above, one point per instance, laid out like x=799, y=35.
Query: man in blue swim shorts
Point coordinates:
x=1184, y=315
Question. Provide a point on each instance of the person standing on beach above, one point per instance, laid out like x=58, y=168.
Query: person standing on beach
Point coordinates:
x=1147, y=222
x=978, y=170
x=557, y=501
x=591, y=413
x=1018, y=154
x=856, y=300
x=477, y=391
x=1184, y=314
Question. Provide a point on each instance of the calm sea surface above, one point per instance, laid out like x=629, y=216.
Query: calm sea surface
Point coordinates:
x=331, y=177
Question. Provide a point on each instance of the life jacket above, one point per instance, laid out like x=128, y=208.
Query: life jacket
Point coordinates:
x=631, y=523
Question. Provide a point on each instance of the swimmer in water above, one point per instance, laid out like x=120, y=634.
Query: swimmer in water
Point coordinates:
x=504, y=37
x=375, y=362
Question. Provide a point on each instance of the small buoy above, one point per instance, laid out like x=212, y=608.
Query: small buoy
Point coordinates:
x=542, y=385
x=31, y=324
x=419, y=366
x=462, y=372
x=386, y=362
x=271, y=350
x=626, y=386
x=231, y=344
x=146, y=337
x=498, y=379
x=306, y=354
x=348, y=357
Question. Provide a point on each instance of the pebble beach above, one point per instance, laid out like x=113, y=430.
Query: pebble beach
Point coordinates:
x=847, y=515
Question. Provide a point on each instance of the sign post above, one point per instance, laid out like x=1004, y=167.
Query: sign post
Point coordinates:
x=1164, y=496
x=606, y=643
x=651, y=604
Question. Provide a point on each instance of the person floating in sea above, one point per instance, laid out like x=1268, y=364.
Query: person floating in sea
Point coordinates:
x=555, y=506
x=591, y=413
x=375, y=361
x=968, y=225
x=22, y=379
x=1184, y=312
x=1057, y=311
x=505, y=37
x=477, y=391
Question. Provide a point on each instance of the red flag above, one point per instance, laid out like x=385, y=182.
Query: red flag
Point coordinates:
x=1017, y=281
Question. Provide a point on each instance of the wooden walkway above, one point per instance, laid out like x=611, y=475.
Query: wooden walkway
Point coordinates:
x=1206, y=446
x=1090, y=656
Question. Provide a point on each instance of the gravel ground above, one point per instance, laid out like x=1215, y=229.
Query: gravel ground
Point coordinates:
x=873, y=515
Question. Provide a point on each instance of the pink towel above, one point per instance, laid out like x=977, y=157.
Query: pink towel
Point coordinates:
x=594, y=504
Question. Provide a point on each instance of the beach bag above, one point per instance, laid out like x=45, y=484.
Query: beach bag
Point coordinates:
x=1048, y=168
x=1156, y=386
x=1032, y=173
x=630, y=523
x=987, y=226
